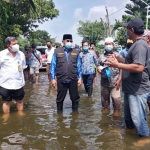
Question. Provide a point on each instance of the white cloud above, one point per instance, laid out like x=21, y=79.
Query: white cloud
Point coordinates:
x=78, y=14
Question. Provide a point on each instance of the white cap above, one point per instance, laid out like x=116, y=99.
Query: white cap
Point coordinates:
x=109, y=39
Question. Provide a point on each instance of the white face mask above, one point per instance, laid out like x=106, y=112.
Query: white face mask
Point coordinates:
x=15, y=48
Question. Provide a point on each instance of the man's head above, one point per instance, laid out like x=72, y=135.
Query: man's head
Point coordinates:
x=85, y=45
x=26, y=47
x=49, y=44
x=33, y=46
x=92, y=45
x=12, y=44
x=109, y=44
x=135, y=28
x=146, y=35
x=129, y=43
x=67, y=41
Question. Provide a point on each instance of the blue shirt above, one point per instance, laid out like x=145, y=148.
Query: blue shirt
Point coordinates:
x=88, y=61
x=54, y=60
x=124, y=52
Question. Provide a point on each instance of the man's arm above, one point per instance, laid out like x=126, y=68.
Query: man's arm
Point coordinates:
x=95, y=60
x=53, y=67
x=79, y=70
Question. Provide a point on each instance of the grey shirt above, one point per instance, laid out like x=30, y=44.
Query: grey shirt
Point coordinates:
x=109, y=82
x=133, y=82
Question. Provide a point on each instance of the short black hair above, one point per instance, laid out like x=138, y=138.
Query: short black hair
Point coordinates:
x=91, y=44
x=9, y=39
x=138, y=31
x=85, y=42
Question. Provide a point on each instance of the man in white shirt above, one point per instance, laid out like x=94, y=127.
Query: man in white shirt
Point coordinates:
x=35, y=63
x=12, y=63
x=49, y=54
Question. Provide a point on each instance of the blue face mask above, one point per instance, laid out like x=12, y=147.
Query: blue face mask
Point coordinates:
x=108, y=48
x=126, y=35
x=85, y=48
x=68, y=45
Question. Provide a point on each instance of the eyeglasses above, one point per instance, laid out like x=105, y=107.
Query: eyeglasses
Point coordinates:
x=69, y=41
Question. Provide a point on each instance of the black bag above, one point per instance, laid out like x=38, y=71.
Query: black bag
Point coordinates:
x=35, y=56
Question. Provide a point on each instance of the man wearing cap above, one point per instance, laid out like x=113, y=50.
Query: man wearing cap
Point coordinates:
x=123, y=52
x=35, y=63
x=135, y=79
x=66, y=67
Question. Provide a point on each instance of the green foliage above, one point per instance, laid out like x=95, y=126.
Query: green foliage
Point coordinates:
x=91, y=31
x=100, y=48
x=21, y=16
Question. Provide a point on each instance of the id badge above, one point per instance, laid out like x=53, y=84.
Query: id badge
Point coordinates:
x=19, y=68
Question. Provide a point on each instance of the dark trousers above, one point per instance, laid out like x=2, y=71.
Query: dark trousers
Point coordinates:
x=62, y=89
x=88, y=80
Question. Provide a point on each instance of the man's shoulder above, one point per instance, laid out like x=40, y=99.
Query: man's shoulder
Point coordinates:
x=3, y=51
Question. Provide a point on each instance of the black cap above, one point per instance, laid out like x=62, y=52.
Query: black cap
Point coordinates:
x=135, y=23
x=67, y=36
x=33, y=46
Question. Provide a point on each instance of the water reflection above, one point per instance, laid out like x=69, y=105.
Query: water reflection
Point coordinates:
x=41, y=128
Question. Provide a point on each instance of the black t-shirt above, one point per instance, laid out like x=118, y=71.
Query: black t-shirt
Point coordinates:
x=133, y=82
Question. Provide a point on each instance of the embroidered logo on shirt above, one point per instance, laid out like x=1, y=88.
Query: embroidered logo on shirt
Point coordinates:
x=60, y=53
x=74, y=54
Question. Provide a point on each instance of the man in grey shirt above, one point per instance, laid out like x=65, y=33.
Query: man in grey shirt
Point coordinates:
x=135, y=80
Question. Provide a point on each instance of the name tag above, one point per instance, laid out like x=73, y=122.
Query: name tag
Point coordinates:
x=19, y=68
x=60, y=53
x=73, y=54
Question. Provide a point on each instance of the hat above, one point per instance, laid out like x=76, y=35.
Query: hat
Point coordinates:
x=67, y=36
x=129, y=41
x=109, y=39
x=135, y=23
x=146, y=33
x=33, y=46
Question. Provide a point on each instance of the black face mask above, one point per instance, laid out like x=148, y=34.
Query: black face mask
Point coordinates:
x=49, y=46
x=129, y=45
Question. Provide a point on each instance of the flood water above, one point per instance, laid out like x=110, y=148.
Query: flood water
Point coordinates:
x=41, y=128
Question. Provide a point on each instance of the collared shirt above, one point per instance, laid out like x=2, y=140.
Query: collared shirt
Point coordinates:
x=11, y=70
x=27, y=59
x=53, y=65
x=34, y=62
x=88, y=61
x=49, y=54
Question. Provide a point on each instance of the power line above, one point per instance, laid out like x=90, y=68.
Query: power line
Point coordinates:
x=116, y=11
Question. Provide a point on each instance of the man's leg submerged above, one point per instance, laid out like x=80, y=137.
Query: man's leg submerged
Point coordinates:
x=74, y=95
x=137, y=104
x=6, y=106
x=61, y=94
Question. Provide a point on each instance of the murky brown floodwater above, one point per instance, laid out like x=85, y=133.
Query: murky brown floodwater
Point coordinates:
x=42, y=129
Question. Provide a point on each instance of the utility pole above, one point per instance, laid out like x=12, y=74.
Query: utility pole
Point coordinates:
x=105, y=30
x=107, y=18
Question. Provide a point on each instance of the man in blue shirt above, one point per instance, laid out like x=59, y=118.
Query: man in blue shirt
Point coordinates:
x=88, y=60
x=66, y=67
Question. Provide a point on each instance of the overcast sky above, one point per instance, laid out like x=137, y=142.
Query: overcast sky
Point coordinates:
x=71, y=11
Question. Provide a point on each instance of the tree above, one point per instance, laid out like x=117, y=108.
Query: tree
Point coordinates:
x=91, y=31
x=21, y=16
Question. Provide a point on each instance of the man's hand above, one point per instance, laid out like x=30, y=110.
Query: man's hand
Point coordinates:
x=99, y=71
x=79, y=82
x=117, y=84
x=53, y=83
x=111, y=61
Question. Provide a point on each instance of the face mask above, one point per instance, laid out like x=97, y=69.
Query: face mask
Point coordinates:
x=85, y=48
x=108, y=48
x=126, y=35
x=15, y=48
x=68, y=45
x=49, y=46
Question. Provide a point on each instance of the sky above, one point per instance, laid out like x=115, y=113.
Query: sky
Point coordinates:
x=72, y=11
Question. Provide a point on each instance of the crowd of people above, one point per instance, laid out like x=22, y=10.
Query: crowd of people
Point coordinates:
x=68, y=67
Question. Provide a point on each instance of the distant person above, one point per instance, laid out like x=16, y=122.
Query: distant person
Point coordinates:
x=66, y=67
x=49, y=54
x=26, y=52
x=35, y=63
x=110, y=86
x=12, y=63
x=88, y=60
x=77, y=47
x=124, y=52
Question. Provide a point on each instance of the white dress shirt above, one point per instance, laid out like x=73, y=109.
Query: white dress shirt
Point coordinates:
x=11, y=70
x=49, y=53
